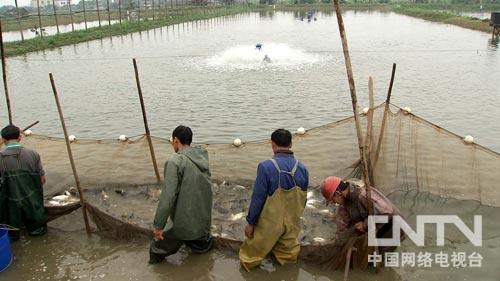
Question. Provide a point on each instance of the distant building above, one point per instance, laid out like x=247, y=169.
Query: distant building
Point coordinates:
x=43, y=3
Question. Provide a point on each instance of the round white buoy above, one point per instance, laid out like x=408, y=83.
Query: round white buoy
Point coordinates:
x=468, y=139
x=365, y=110
x=171, y=140
x=406, y=110
x=301, y=131
x=237, y=142
x=71, y=138
x=28, y=132
x=123, y=138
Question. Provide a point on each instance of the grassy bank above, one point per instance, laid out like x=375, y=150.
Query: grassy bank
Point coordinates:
x=429, y=12
x=444, y=16
x=64, y=39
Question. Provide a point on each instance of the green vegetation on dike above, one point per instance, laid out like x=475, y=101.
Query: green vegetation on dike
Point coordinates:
x=444, y=13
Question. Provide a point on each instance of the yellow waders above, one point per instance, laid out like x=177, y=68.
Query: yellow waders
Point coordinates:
x=278, y=227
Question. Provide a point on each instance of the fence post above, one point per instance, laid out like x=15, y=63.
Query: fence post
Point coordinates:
x=71, y=16
x=39, y=18
x=55, y=15
x=19, y=21
x=98, y=13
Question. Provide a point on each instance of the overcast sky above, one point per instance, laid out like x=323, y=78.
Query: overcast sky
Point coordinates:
x=11, y=2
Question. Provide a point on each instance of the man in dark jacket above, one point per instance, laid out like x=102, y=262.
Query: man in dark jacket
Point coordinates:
x=21, y=188
x=186, y=199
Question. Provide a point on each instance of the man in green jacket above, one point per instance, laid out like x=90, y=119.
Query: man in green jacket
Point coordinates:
x=186, y=199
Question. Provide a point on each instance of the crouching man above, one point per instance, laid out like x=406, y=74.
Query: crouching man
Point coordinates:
x=352, y=219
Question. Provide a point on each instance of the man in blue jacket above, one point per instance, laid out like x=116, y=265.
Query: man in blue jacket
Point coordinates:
x=278, y=201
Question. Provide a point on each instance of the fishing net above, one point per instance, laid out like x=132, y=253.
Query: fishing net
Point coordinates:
x=415, y=156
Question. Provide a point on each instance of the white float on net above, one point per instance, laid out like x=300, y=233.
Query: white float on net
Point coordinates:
x=28, y=132
x=71, y=138
x=123, y=138
x=365, y=110
x=237, y=142
x=406, y=110
x=468, y=139
x=301, y=131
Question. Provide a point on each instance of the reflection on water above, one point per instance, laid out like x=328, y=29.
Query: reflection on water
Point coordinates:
x=66, y=253
x=445, y=73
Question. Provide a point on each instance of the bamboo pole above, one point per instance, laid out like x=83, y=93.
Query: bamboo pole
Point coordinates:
x=369, y=130
x=26, y=128
x=139, y=10
x=354, y=100
x=55, y=15
x=31, y=125
x=71, y=16
x=70, y=154
x=384, y=118
x=98, y=12
x=120, y=11
x=348, y=263
x=109, y=15
x=39, y=17
x=19, y=20
x=84, y=14
x=146, y=126
x=4, y=75
x=153, y=5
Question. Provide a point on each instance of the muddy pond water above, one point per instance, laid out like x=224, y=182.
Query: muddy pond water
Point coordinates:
x=208, y=75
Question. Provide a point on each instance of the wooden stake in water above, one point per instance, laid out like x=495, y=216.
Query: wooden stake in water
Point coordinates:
x=84, y=14
x=98, y=12
x=39, y=18
x=384, y=118
x=55, y=14
x=153, y=5
x=146, y=126
x=109, y=15
x=354, y=101
x=71, y=16
x=369, y=130
x=4, y=75
x=19, y=21
x=120, y=11
x=139, y=10
x=70, y=154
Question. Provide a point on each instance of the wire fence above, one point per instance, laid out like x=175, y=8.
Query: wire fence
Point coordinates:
x=98, y=13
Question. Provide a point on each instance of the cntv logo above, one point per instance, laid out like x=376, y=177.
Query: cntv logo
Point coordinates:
x=399, y=224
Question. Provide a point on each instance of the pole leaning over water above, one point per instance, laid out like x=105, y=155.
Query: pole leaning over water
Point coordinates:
x=70, y=154
x=354, y=100
x=352, y=88
x=146, y=126
x=4, y=75
x=384, y=118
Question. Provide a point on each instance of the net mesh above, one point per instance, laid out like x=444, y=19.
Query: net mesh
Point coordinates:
x=415, y=156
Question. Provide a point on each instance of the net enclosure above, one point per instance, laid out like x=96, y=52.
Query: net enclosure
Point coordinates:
x=415, y=156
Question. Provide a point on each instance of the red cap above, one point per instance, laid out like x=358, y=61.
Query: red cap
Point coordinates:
x=329, y=186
